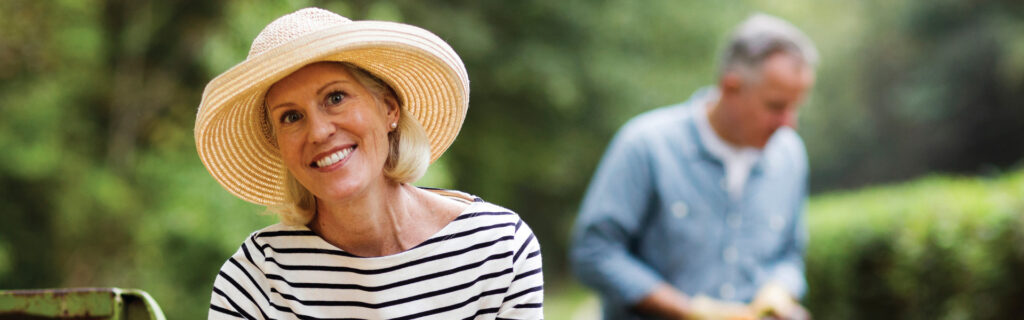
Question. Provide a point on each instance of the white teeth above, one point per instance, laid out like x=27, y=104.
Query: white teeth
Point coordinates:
x=333, y=158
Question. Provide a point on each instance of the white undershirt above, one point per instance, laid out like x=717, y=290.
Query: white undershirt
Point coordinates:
x=737, y=160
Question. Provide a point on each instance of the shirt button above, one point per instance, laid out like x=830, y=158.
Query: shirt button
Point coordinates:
x=730, y=255
x=734, y=220
x=679, y=209
x=724, y=184
x=775, y=222
x=726, y=291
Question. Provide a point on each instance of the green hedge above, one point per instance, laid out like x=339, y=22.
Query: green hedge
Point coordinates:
x=935, y=248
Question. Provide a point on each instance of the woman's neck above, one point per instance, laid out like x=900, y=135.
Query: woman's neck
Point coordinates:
x=386, y=220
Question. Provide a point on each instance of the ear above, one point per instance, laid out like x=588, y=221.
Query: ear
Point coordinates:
x=392, y=109
x=730, y=82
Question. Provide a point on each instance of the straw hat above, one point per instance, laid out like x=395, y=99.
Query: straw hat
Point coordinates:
x=232, y=136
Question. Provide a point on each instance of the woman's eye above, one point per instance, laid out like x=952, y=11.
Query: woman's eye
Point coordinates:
x=335, y=97
x=290, y=117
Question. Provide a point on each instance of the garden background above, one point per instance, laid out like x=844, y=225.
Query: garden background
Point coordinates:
x=914, y=134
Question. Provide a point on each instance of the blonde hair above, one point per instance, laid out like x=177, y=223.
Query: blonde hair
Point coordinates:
x=407, y=161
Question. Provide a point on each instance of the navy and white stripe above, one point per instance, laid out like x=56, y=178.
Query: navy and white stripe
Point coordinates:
x=486, y=264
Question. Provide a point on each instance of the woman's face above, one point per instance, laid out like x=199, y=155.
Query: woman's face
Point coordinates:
x=332, y=131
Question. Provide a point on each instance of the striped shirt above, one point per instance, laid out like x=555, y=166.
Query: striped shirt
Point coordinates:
x=485, y=264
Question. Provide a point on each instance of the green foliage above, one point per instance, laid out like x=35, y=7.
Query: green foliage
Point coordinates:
x=936, y=248
x=920, y=86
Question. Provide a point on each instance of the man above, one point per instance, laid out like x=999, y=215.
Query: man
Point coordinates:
x=696, y=209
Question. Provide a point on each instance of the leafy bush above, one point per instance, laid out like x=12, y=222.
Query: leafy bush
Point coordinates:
x=936, y=248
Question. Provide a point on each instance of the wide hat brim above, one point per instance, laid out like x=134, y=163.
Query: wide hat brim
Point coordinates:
x=233, y=139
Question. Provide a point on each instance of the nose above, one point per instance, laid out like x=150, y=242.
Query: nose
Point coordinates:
x=320, y=127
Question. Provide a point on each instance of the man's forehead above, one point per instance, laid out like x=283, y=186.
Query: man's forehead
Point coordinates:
x=786, y=72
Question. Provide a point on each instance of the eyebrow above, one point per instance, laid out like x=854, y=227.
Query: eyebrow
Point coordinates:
x=324, y=87
x=318, y=92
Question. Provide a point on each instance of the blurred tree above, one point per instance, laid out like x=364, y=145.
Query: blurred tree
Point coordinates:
x=938, y=89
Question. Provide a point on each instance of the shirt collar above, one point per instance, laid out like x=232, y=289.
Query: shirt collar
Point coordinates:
x=709, y=143
x=718, y=147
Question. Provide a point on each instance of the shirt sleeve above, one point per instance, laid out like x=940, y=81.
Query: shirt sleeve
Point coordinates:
x=221, y=307
x=610, y=216
x=788, y=270
x=236, y=294
x=525, y=296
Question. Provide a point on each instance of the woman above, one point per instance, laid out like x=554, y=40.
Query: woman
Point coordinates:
x=328, y=122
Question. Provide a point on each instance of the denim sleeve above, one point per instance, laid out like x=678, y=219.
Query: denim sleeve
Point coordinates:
x=788, y=271
x=610, y=216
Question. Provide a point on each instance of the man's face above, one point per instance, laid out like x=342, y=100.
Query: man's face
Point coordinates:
x=761, y=106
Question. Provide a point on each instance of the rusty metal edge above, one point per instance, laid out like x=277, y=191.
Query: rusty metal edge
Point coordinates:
x=155, y=313
x=55, y=302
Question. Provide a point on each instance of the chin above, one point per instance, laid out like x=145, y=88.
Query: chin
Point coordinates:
x=335, y=190
x=761, y=144
x=343, y=191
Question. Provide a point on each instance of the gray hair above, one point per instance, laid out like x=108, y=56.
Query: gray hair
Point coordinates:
x=759, y=37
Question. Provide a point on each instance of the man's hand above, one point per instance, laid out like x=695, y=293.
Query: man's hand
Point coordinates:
x=669, y=303
x=704, y=308
x=774, y=301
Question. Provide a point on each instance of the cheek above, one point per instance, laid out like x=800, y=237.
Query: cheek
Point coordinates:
x=291, y=150
x=767, y=117
x=373, y=126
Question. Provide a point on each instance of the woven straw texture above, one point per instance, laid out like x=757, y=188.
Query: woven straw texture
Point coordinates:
x=232, y=136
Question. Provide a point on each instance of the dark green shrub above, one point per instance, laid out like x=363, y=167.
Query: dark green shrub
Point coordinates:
x=936, y=248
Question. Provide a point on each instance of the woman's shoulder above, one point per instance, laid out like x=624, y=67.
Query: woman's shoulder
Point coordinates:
x=255, y=247
x=500, y=221
x=247, y=261
x=454, y=195
x=475, y=206
x=280, y=230
x=280, y=237
x=478, y=213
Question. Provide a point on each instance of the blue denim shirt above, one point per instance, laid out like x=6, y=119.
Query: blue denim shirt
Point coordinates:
x=657, y=212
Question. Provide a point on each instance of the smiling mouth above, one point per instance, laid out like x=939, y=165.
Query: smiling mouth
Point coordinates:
x=332, y=158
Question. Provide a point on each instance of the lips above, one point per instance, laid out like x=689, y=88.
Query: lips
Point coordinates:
x=332, y=158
